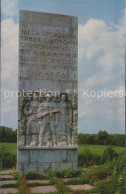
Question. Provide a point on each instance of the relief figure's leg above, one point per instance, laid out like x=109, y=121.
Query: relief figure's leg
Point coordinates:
x=68, y=134
x=28, y=135
x=42, y=126
x=33, y=134
x=54, y=139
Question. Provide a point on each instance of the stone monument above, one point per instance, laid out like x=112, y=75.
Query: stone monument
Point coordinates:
x=47, y=102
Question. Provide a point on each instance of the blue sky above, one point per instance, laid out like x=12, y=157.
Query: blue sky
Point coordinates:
x=107, y=10
x=100, y=60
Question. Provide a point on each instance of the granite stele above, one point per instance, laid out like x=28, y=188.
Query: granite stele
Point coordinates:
x=47, y=103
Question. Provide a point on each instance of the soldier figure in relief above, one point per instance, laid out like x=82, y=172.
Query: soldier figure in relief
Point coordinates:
x=65, y=119
x=21, y=122
x=32, y=125
x=46, y=114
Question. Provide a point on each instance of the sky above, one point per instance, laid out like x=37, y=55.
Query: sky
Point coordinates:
x=101, y=64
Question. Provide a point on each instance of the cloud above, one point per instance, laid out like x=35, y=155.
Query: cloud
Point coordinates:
x=9, y=7
x=104, y=48
x=99, y=78
x=107, y=113
x=101, y=59
x=9, y=75
x=9, y=53
x=90, y=37
x=96, y=37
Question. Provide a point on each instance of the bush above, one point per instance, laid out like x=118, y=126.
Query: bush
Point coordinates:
x=101, y=172
x=53, y=180
x=121, y=182
x=87, y=158
x=102, y=138
x=32, y=175
x=112, y=184
x=8, y=135
x=120, y=163
x=22, y=184
x=61, y=187
x=78, y=181
x=108, y=155
x=7, y=160
x=106, y=186
x=65, y=173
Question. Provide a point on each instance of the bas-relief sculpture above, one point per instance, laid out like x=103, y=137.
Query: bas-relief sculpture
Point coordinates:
x=50, y=122
x=47, y=123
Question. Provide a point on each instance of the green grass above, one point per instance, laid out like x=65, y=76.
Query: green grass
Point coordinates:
x=98, y=149
x=10, y=147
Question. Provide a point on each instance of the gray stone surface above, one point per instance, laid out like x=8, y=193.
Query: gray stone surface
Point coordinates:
x=38, y=181
x=42, y=189
x=8, y=190
x=48, y=105
x=43, y=160
x=48, y=51
x=81, y=187
x=8, y=182
x=2, y=172
x=6, y=176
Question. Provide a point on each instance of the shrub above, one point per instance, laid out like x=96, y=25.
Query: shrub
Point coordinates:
x=78, y=181
x=121, y=182
x=109, y=154
x=110, y=185
x=120, y=163
x=85, y=177
x=8, y=134
x=87, y=158
x=102, y=138
x=106, y=186
x=23, y=186
x=53, y=180
x=102, y=172
x=65, y=173
x=7, y=160
x=61, y=187
x=32, y=175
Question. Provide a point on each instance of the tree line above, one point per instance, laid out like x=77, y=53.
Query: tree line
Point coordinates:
x=101, y=138
x=8, y=134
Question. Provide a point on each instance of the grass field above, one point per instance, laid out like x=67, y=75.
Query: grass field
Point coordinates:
x=11, y=147
x=97, y=149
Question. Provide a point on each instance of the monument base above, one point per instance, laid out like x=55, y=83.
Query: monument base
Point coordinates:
x=45, y=159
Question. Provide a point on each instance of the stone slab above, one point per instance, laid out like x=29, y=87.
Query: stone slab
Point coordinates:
x=6, y=176
x=8, y=190
x=7, y=172
x=38, y=181
x=8, y=182
x=42, y=189
x=43, y=160
x=81, y=187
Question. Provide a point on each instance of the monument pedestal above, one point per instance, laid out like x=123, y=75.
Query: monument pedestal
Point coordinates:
x=45, y=159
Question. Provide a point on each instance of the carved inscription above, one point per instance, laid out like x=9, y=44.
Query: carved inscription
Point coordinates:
x=47, y=54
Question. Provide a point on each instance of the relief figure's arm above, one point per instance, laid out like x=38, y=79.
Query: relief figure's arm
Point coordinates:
x=41, y=112
x=27, y=110
x=56, y=110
